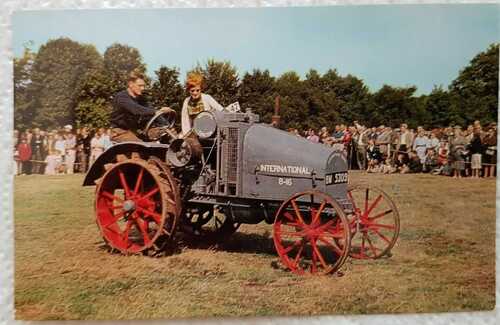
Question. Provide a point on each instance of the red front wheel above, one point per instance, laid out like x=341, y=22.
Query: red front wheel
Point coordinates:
x=307, y=230
x=374, y=222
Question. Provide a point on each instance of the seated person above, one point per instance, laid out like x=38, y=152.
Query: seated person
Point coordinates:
x=414, y=163
x=130, y=110
x=431, y=160
x=196, y=103
x=401, y=163
x=387, y=167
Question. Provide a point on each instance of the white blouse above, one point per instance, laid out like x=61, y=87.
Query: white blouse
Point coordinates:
x=209, y=104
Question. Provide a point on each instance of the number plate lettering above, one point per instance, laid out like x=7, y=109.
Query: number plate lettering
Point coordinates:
x=336, y=178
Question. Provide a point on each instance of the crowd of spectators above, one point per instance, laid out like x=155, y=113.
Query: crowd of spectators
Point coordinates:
x=451, y=151
x=59, y=151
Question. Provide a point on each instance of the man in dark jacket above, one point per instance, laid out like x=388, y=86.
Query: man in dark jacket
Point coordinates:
x=130, y=110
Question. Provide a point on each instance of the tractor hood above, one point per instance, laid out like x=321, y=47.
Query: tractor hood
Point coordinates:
x=273, y=151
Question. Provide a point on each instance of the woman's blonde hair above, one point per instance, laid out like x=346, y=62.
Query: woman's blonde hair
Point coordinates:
x=194, y=79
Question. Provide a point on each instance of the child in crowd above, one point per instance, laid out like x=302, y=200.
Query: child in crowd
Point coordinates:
x=387, y=167
x=374, y=157
x=401, y=164
x=414, y=163
x=431, y=161
x=53, y=162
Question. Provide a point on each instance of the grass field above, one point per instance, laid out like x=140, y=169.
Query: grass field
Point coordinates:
x=444, y=261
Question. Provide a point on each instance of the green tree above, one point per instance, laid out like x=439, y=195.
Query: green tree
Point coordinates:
x=221, y=81
x=59, y=70
x=94, y=101
x=257, y=92
x=166, y=89
x=119, y=61
x=393, y=106
x=23, y=99
x=475, y=90
x=438, y=107
x=294, y=107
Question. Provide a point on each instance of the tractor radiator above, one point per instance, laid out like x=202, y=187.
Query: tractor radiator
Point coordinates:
x=230, y=160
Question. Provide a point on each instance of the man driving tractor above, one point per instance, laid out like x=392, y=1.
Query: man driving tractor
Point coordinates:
x=129, y=109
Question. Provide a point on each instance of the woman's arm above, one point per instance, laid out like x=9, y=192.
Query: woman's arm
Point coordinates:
x=185, y=121
x=212, y=103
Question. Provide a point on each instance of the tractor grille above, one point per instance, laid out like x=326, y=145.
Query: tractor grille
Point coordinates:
x=232, y=155
x=230, y=160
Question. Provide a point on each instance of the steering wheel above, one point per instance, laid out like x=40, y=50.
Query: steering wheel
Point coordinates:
x=165, y=119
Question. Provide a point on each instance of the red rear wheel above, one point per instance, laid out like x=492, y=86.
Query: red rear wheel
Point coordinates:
x=136, y=207
x=374, y=222
x=306, y=231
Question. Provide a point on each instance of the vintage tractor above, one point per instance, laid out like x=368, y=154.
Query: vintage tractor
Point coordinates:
x=229, y=170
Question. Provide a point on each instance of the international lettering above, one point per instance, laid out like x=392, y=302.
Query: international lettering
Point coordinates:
x=285, y=169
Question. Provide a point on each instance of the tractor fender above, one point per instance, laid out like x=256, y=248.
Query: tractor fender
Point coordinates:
x=145, y=150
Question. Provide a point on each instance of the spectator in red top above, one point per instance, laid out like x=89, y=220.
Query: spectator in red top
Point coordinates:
x=24, y=151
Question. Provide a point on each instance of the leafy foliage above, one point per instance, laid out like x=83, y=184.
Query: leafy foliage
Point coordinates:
x=119, y=61
x=475, y=90
x=221, y=81
x=59, y=69
x=166, y=90
x=69, y=82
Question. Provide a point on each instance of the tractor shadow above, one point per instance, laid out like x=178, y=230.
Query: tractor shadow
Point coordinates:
x=237, y=243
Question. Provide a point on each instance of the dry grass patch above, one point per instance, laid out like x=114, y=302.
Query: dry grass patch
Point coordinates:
x=443, y=261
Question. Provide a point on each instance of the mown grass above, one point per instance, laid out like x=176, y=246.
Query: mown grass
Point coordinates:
x=443, y=261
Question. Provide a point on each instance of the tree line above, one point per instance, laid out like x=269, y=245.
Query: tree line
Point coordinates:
x=66, y=82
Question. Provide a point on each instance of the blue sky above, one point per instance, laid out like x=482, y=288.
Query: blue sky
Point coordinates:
x=399, y=45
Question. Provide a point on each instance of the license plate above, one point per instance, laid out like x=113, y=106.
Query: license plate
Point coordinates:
x=336, y=178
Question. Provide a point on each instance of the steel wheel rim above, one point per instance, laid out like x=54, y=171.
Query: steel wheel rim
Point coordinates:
x=306, y=240
x=374, y=222
x=131, y=214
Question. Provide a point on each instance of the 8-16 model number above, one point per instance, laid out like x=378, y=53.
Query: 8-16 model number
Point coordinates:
x=285, y=181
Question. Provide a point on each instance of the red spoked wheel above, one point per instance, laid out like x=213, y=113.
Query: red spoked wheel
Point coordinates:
x=136, y=205
x=374, y=222
x=307, y=231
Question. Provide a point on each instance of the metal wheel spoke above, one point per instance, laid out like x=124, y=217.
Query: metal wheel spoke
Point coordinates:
x=115, y=219
x=373, y=205
x=379, y=225
x=292, y=233
x=288, y=216
x=143, y=229
x=138, y=182
x=126, y=232
x=326, y=225
x=156, y=217
x=297, y=257
x=372, y=247
x=326, y=242
x=111, y=196
x=318, y=213
x=151, y=193
x=289, y=248
x=363, y=247
x=380, y=215
x=380, y=235
x=349, y=193
x=123, y=181
x=313, y=262
x=318, y=253
x=334, y=233
x=297, y=212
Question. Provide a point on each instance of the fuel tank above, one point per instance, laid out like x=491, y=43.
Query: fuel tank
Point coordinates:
x=277, y=164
